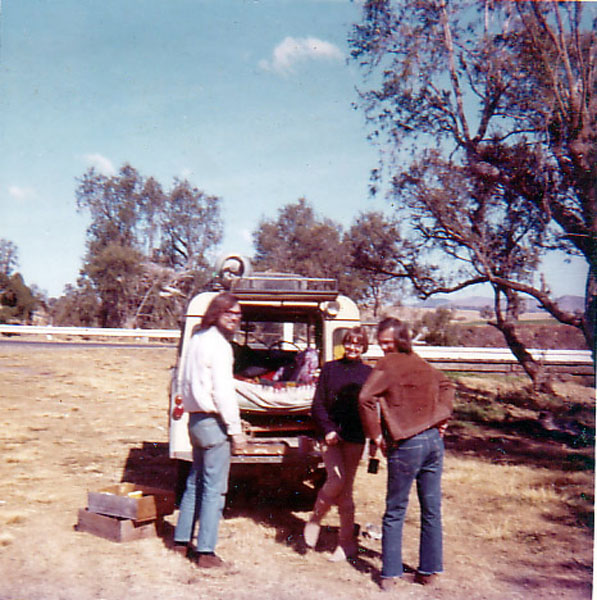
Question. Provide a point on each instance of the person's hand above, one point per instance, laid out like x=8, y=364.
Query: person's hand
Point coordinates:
x=331, y=438
x=372, y=448
x=442, y=428
x=239, y=443
x=380, y=442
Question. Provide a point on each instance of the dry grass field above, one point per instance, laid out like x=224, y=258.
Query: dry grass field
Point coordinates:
x=518, y=488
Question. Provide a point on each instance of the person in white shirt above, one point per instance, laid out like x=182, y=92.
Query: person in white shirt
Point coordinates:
x=214, y=418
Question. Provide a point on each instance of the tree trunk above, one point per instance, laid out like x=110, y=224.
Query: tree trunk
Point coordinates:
x=534, y=369
x=590, y=316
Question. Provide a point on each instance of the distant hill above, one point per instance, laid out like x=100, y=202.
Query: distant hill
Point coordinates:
x=568, y=303
x=469, y=303
x=572, y=303
x=540, y=329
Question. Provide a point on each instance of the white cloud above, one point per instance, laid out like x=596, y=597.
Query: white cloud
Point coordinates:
x=291, y=50
x=21, y=194
x=100, y=163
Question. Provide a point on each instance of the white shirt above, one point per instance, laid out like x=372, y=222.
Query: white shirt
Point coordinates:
x=207, y=380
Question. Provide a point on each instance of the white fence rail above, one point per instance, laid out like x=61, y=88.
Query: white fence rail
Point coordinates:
x=447, y=356
x=462, y=353
x=50, y=332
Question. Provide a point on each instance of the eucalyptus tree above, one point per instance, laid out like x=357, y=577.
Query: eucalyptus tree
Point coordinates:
x=147, y=248
x=300, y=241
x=485, y=116
x=17, y=301
x=378, y=253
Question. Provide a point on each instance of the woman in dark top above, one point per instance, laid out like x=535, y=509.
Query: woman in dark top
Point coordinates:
x=336, y=413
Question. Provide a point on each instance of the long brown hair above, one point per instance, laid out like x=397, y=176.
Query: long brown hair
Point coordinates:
x=400, y=333
x=217, y=307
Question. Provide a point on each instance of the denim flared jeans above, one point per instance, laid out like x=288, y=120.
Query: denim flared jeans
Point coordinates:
x=419, y=459
x=187, y=515
x=209, y=474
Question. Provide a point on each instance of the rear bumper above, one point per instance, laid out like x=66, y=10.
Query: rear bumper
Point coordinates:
x=300, y=451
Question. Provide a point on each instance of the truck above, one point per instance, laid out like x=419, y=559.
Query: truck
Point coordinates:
x=290, y=326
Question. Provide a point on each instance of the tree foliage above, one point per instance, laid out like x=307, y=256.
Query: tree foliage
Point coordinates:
x=436, y=328
x=377, y=251
x=299, y=241
x=122, y=208
x=190, y=226
x=78, y=307
x=147, y=249
x=486, y=115
x=361, y=259
x=115, y=273
x=17, y=300
x=9, y=257
x=17, y=303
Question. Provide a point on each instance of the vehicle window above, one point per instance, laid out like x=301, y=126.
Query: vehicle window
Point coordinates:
x=337, y=338
x=290, y=336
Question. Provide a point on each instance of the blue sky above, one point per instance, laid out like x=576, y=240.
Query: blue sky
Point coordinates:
x=250, y=100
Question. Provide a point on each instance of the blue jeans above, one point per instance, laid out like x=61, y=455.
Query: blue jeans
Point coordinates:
x=419, y=458
x=187, y=514
x=211, y=464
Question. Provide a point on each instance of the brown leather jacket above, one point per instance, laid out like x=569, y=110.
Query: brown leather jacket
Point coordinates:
x=412, y=395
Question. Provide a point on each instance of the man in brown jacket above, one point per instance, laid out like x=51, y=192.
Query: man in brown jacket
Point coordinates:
x=404, y=405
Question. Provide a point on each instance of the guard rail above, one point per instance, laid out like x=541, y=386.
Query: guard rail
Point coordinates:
x=449, y=358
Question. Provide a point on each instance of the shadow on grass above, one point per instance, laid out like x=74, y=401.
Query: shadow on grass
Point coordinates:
x=275, y=506
x=517, y=430
x=273, y=503
x=520, y=429
x=149, y=464
x=560, y=577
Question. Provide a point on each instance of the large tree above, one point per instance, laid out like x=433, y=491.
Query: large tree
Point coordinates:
x=377, y=250
x=302, y=242
x=17, y=302
x=122, y=208
x=147, y=249
x=78, y=306
x=190, y=226
x=486, y=115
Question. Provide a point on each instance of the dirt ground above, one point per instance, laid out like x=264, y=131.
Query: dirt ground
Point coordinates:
x=518, y=511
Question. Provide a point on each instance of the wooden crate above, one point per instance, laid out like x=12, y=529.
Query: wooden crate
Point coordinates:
x=130, y=501
x=116, y=529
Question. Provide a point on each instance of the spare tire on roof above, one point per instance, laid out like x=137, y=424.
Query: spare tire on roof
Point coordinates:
x=232, y=266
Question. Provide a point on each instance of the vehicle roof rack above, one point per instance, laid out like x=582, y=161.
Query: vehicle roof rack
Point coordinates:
x=263, y=286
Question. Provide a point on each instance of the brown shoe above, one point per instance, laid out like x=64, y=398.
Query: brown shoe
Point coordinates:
x=426, y=578
x=387, y=584
x=181, y=548
x=209, y=561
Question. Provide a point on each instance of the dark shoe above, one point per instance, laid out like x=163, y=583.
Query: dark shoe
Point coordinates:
x=387, y=584
x=181, y=548
x=209, y=561
x=426, y=578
